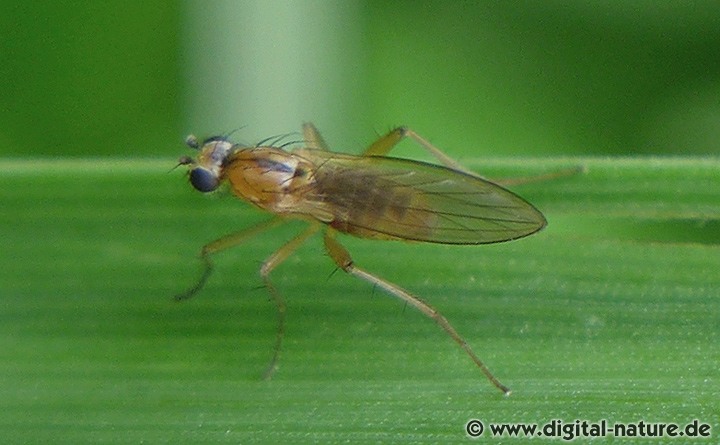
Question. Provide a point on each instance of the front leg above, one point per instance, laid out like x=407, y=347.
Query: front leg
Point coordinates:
x=219, y=245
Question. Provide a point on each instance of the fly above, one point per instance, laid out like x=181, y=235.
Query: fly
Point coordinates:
x=369, y=196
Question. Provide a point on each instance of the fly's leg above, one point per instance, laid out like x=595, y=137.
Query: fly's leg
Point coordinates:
x=268, y=265
x=313, y=138
x=382, y=146
x=580, y=169
x=385, y=144
x=221, y=244
x=342, y=258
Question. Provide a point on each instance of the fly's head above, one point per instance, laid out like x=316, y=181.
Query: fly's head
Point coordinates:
x=206, y=170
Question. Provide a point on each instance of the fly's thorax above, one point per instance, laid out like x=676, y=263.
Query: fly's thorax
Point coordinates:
x=268, y=177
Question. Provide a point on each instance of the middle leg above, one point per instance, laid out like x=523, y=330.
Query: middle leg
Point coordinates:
x=268, y=266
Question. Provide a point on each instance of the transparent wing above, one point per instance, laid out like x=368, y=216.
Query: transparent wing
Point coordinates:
x=391, y=198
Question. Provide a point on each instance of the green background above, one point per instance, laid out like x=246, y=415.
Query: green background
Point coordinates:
x=114, y=78
x=610, y=313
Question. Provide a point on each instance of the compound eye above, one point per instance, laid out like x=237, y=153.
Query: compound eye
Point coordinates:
x=203, y=180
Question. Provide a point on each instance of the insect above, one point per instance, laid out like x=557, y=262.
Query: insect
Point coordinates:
x=369, y=196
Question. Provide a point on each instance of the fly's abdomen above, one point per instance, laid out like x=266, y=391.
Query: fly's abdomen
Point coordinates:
x=387, y=198
x=363, y=205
